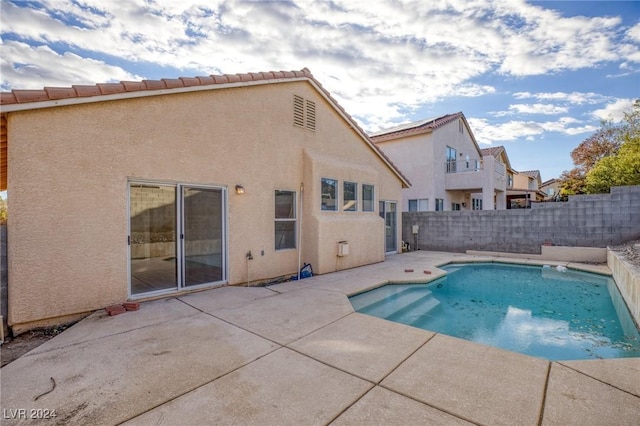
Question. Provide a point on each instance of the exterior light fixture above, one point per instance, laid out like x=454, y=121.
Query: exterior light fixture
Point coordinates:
x=239, y=189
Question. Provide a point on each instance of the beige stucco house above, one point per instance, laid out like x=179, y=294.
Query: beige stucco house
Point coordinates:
x=526, y=189
x=446, y=167
x=135, y=190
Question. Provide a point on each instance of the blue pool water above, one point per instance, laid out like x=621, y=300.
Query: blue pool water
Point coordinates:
x=539, y=311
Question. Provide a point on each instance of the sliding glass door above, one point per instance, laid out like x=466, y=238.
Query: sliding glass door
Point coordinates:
x=152, y=238
x=203, y=232
x=177, y=237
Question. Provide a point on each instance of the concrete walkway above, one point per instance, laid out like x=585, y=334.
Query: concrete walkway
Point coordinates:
x=296, y=354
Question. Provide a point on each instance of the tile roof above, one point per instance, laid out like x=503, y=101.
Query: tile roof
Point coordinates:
x=101, y=89
x=421, y=126
x=495, y=152
x=535, y=174
x=57, y=96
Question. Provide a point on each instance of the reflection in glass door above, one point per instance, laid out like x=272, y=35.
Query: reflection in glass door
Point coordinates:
x=202, y=232
x=152, y=238
x=388, y=213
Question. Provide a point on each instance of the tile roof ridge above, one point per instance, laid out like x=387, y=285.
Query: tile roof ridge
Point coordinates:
x=50, y=93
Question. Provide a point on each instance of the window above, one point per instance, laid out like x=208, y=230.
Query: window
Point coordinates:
x=419, y=205
x=329, y=194
x=477, y=204
x=285, y=207
x=510, y=181
x=350, y=196
x=367, y=198
x=439, y=204
x=451, y=160
x=304, y=113
x=460, y=126
x=455, y=206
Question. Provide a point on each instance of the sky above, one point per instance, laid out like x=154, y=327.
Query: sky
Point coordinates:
x=536, y=77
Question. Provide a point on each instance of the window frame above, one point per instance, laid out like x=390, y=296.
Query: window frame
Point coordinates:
x=335, y=198
x=354, y=206
x=293, y=219
x=372, y=200
x=439, y=204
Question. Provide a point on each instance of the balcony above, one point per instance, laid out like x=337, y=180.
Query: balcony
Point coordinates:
x=470, y=175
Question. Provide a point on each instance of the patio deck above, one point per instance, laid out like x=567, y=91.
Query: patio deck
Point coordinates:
x=297, y=353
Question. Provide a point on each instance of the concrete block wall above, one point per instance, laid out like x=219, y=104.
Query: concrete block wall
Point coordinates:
x=584, y=221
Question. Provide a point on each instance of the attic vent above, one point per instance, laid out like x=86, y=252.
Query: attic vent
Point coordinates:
x=304, y=113
x=298, y=111
x=311, y=115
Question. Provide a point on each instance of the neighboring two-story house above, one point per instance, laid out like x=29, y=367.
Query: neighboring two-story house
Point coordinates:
x=446, y=167
x=525, y=189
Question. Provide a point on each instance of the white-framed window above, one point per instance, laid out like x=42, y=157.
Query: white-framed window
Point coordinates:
x=350, y=196
x=329, y=191
x=439, y=204
x=368, y=198
x=476, y=204
x=419, y=205
x=285, y=220
x=451, y=159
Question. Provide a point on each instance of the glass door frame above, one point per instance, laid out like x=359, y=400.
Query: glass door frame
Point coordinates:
x=179, y=226
x=384, y=206
x=181, y=216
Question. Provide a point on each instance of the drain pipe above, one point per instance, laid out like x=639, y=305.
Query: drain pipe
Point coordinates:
x=249, y=257
x=300, y=229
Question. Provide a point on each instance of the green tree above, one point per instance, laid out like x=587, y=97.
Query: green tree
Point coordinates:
x=607, y=158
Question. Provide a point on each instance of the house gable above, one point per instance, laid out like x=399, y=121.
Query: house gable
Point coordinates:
x=50, y=97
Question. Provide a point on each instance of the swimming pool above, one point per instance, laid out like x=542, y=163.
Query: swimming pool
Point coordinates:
x=540, y=311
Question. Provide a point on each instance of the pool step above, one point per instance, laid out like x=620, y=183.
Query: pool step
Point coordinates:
x=365, y=302
x=416, y=311
x=390, y=307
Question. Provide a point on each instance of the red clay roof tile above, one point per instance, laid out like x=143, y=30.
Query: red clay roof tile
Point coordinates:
x=190, y=81
x=110, y=88
x=220, y=79
x=233, y=78
x=204, y=80
x=23, y=96
x=245, y=77
x=7, y=98
x=154, y=84
x=173, y=83
x=133, y=86
x=85, y=90
x=60, y=92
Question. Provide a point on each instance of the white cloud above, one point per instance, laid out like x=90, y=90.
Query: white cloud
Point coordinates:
x=574, y=98
x=28, y=67
x=378, y=61
x=614, y=111
x=546, y=109
x=487, y=132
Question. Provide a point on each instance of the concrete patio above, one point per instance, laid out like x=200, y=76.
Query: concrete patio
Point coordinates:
x=295, y=354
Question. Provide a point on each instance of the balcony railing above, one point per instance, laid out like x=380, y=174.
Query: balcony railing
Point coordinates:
x=453, y=166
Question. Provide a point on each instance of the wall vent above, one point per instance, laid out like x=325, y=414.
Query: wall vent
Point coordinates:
x=304, y=113
x=310, y=115
x=298, y=111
